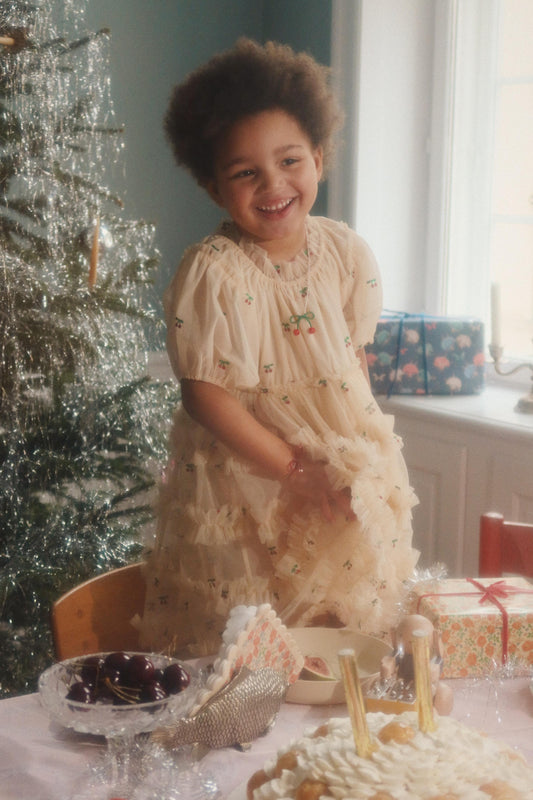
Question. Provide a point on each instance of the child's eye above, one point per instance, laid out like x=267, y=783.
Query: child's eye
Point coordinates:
x=243, y=173
x=288, y=162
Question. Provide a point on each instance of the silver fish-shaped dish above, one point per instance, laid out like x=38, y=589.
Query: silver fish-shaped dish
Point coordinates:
x=236, y=715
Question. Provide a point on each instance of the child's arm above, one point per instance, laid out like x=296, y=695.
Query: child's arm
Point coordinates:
x=361, y=355
x=222, y=414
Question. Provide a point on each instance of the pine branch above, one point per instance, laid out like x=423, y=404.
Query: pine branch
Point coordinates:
x=82, y=431
x=78, y=182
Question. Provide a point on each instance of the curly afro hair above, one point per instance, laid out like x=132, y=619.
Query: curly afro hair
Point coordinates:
x=239, y=83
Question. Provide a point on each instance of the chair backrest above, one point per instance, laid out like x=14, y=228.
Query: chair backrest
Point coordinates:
x=95, y=616
x=505, y=547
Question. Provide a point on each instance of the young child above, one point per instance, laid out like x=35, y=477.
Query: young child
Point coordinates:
x=286, y=483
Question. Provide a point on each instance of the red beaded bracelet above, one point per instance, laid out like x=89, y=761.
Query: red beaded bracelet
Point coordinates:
x=293, y=466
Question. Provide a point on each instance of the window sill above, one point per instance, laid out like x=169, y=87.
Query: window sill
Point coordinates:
x=494, y=408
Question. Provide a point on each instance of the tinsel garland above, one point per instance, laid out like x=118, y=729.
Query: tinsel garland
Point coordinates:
x=82, y=427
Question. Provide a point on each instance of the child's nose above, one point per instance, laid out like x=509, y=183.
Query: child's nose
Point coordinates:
x=272, y=179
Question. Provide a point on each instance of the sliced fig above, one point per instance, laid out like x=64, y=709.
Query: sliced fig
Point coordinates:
x=316, y=668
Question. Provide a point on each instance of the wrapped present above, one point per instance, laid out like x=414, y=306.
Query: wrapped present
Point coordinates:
x=419, y=354
x=483, y=623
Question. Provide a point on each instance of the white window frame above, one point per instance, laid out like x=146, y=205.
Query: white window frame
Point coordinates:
x=466, y=45
x=436, y=263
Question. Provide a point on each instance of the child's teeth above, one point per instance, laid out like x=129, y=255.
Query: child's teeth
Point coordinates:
x=277, y=207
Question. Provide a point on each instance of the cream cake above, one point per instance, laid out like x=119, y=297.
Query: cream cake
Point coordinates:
x=453, y=763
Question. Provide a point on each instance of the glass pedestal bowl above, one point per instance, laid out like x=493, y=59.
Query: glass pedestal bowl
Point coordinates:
x=131, y=763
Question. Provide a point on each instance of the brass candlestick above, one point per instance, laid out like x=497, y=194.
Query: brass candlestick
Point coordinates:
x=525, y=403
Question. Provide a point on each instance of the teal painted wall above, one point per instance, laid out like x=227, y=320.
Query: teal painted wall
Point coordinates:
x=154, y=44
x=304, y=25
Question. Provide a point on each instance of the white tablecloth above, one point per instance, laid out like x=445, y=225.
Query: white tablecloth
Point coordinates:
x=41, y=761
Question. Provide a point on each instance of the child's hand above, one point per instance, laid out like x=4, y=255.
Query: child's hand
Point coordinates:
x=309, y=480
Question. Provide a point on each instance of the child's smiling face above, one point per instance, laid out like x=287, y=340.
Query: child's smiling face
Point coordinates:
x=266, y=177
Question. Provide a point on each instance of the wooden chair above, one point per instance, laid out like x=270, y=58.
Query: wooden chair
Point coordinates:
x=95, y=616
x=504, y=547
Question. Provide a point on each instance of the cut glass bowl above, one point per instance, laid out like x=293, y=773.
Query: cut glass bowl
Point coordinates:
x=106, y=719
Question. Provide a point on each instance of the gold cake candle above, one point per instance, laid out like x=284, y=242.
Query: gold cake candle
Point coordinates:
x=424, y=695
x=356, y=706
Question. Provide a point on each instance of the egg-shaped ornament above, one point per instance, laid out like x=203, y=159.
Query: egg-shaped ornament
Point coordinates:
x=105, y=237
x=100, y=239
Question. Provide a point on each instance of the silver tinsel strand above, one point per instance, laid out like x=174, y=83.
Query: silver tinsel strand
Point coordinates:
x=82, y=428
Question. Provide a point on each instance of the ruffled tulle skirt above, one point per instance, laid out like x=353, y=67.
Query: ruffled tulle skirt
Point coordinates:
x=226, y=537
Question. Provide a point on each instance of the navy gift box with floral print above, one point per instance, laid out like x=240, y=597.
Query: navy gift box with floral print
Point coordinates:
x=419, y=354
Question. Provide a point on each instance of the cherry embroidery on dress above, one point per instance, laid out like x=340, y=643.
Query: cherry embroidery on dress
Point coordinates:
x=297, y=319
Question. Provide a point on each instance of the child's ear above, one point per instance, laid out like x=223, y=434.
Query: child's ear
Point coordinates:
x=212, y=190
x=318, y=156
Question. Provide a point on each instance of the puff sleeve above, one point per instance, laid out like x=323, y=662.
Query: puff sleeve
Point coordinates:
x=362, y=292
x=206, y=337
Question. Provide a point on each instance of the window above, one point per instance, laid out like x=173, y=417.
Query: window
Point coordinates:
x=511, y=232
x=440, y=104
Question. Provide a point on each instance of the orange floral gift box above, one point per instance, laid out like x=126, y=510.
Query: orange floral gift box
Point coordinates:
x=483, y=622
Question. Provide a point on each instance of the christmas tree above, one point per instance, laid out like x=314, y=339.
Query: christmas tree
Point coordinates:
x=82, y=426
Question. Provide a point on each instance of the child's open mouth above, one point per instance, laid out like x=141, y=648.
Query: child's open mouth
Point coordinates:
x=276, y=208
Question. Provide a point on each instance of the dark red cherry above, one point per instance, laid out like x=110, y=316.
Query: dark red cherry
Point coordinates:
x=116, y=660
x=91, y=670
x=112, y=676
x=175, y=678
x=104, y=693
x=151, y=692
x=138, y=670
x=80, y=692
x=121, y=678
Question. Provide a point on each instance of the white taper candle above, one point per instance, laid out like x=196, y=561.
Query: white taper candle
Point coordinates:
x=495, y=308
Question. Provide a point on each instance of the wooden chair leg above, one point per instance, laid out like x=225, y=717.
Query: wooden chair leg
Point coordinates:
x=490, y=563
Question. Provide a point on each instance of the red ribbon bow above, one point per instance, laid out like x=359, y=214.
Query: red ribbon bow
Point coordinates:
x=492, y=592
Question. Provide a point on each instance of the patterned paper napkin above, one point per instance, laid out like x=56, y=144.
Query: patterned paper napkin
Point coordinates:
x=254, y=637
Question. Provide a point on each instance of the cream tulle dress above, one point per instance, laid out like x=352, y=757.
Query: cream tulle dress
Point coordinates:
x=282, y=338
